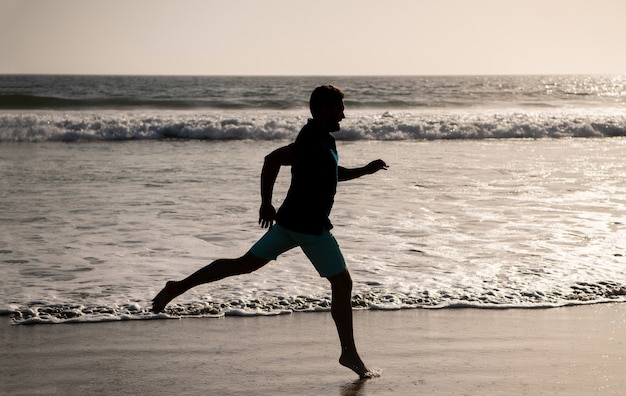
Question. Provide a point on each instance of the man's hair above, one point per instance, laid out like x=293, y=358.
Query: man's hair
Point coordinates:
x=324, y=96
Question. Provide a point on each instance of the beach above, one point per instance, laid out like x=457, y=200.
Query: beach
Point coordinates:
x=575, y=350
x=488, y=259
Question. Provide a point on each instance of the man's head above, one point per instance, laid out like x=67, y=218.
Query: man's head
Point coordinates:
x=327, y=106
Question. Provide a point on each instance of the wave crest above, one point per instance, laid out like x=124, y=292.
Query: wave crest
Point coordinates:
x=115, y=126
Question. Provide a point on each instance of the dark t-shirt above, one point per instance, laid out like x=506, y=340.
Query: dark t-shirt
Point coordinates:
x=313, y=182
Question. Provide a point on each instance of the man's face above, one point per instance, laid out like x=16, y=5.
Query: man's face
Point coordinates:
x=334, y=117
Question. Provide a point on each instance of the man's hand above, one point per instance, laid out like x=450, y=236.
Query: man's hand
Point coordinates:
x=375, y=166
x=267, y=215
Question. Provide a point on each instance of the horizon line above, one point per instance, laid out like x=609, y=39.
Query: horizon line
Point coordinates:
x=305, y=75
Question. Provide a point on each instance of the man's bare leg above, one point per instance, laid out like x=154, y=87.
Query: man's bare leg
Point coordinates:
x=219, y=269
x=341, y=310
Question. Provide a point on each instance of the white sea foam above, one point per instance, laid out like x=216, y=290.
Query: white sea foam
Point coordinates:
x=39, y=126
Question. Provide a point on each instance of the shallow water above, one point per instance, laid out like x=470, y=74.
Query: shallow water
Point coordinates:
x=91, y=231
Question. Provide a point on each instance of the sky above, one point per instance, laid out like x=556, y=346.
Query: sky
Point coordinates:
x=313, y=37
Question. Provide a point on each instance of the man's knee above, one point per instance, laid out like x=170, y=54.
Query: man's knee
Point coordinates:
x=341, y=281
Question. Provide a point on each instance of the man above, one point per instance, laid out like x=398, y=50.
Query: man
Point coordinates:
x=302, y=220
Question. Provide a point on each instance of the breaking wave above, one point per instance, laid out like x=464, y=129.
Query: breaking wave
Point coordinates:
x=273, y=125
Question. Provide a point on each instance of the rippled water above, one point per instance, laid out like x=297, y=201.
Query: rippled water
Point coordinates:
x=91, y=231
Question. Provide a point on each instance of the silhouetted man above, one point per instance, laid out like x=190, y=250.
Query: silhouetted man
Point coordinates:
x=302, y=220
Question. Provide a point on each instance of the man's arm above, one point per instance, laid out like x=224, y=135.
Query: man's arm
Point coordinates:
x=271, y=167
x=353, y=173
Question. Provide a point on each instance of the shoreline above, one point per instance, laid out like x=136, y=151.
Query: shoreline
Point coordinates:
x=570, y=350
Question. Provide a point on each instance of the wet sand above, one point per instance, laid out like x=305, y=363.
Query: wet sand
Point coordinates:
x=567, y=351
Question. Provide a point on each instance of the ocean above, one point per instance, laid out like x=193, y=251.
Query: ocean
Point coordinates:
x=502, y=192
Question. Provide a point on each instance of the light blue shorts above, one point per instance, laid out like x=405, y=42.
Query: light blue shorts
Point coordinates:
x=323, y=250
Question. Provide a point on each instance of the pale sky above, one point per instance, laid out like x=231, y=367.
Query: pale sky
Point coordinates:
x=313, y=37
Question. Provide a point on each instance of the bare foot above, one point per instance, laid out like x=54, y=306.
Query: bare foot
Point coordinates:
x=169, y=292
x=354, y=363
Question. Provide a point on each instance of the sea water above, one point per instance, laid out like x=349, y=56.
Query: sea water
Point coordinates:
x=502, y=192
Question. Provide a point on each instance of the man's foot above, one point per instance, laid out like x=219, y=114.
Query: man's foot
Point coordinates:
x=354, y=363
x=169, y=292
